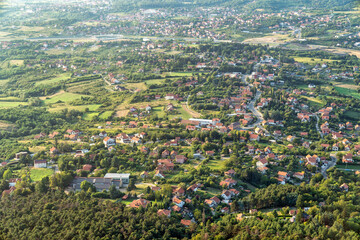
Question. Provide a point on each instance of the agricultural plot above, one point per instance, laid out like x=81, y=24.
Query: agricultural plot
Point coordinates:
x=57, y=79
x=89, y=116
x=60, y=107
x=154, y=81
x=348, y=92
x=106, y=114
x=4, y=104
x=63, y=97
x=309, y=60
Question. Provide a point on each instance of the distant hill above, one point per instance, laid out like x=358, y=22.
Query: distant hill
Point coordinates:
x=271, y=5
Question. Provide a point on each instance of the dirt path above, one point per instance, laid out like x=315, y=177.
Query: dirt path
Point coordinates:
x=191, y=112
x=58, y=93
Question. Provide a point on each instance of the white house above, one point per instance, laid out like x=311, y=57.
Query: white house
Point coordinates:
x=109, y=142
x=40, y=163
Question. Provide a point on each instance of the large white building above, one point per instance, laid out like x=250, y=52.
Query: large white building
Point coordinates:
x=124, y=177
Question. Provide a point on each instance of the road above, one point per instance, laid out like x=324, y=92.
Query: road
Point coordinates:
x=251, y=107
x=330, y=164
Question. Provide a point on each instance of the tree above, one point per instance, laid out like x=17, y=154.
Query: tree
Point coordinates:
x=86, y=186
x=131, y=184
x=114, y=193
x=7, y=174
x=299, y=201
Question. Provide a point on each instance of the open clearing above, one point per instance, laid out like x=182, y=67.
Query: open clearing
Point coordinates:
x=154, y=81
x=348, y=92
x=191, y=112
x=17, y=62
x=121, y=113
x=310, y=60
x=106, y=114
x=82, y=108
x=37, y=174
x=89, y=116
x=272, y=40
x=63, y=97
x=11, y=104
x=135, y=86
x=57, y=79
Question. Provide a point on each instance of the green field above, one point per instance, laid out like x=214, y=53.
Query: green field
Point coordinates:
x=314, y=101
x=64, y=97
x=89, y=116
x=39, y=173
x=181, y=112
x=154, y=81
x=352, y=167
x=57, y=79
x=310, y=60
x=178, y=74
x=348, y=92
x=11, y=104
x=82, y=108
x=352, y=114
x=216, y=165
x=106, y=114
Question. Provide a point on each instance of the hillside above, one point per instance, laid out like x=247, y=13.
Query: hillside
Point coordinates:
x=269, y=5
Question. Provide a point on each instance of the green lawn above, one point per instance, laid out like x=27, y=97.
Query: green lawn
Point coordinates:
x=314, y=101
x=106, y=114
x=64, y=97
x=159, y=111
x=39, y=173
x=59, y=78
x=216, y=165
x=348, y=92
x=154, y=81
x=89, y=116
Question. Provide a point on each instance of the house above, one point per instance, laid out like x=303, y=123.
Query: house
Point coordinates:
x=344, y=187
x=103, y=134
x=159, y=174
x=262, y=163
x=54, y=150
x=290, y=138
x=87, y=167
x=254, y=137
x=13, y=181
x=185, y=222
x=348, y=158
x=299, y=175
x=19, y=155
x=139, y=203
x=212, y=202
x=209, y=153
x=230, y=173
x=180, y=159
x=179, y=191
x=164, y=212
x=108, y=141
x=178, y=202
x=144, y=174
x=40, y=163
x=226, y=195
x=229, y=182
